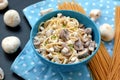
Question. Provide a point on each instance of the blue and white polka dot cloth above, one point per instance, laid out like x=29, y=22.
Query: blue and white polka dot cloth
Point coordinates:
x=29, y=66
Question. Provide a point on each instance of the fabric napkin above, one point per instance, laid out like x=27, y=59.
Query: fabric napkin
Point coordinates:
x=29, y=66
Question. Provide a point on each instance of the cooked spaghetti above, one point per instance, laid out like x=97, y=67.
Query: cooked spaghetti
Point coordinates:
x=64, y=40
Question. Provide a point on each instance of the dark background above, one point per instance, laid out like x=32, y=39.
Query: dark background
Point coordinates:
x=22, y=32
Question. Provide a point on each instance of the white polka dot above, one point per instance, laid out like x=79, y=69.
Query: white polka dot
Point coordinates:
x=39, y=14
x=24, y=65
x=21, y=56
x=101, y=5
x=41, y=8
x=106, y=12
x=25, y=10
x=85, y=9
x=59, y=1
x=53, y=73
x=115, y=3
x=108, y=6
x=108, y=2
x=49, y=5
x=86, y=3
x=35, y=6
x=37, y=78
x=26, y=72
x=34, y=70
x=52, y=0
x=105, y=18
x=97, y=23
x=43, y=69
x=45, y=76
x=29, y=57
x=56, y=79
x=15, y=67
x=36, y=19
x=113, y=13
x=29, y=79
x=71, y=73
x=79, y=3
x=114, y=8
x=93, y=4
x=39, y=62
x=29, y=17
x=88, y=75
x=32, y=11
x=69, y=78
x=110, y=43
x=79, y=74
x=57, y=7
x=32, y=63
x=101, y=1
x=112, y=19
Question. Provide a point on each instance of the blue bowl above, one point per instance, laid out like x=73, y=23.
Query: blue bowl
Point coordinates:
x=82, y=19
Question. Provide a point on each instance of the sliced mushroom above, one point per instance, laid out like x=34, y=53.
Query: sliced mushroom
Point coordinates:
x=84, y=53
x=59, y=15
x=41, y=28
x=57, y=48
x=81, y=25
x=49, y=32
x=88, y=30
x=64, y=35
x=1, y=74
x=51, y=49
x=85, y=38
x=78, y=45
x=87, y=44
x=92, y=46
x=65, y=50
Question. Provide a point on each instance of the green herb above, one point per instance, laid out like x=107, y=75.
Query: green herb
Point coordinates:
x=53, y=37
x=64, y=26
x=70, y=46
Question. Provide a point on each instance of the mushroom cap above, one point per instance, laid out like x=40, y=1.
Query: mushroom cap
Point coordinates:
x=12, y=18
x=11, y=44
x=3, y=4
x=107, y=32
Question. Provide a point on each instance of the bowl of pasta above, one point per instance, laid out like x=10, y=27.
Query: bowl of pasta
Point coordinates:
x=65, y=39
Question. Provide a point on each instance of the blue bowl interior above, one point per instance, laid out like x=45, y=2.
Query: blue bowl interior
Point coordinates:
x=81, y=18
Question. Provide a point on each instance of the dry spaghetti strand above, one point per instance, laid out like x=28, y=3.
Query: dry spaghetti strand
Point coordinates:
x=114, y=69
x=99, y=68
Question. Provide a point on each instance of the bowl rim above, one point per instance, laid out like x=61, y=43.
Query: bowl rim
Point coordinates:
x=81, y=62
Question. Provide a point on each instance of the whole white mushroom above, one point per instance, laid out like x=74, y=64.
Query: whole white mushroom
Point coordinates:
x=12, y=18
x=95, y=14
x=10, y=44
x=3, y=4
x=107, y=32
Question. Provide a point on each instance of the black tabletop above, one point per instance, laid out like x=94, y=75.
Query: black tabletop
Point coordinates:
x=22, y=32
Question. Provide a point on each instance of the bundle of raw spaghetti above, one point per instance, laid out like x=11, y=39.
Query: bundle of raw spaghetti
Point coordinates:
x=114, y=69
x=71, y=6
x=100, y=63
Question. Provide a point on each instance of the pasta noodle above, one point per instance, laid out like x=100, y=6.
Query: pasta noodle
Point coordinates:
x=114, y=69
x=64, y=40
